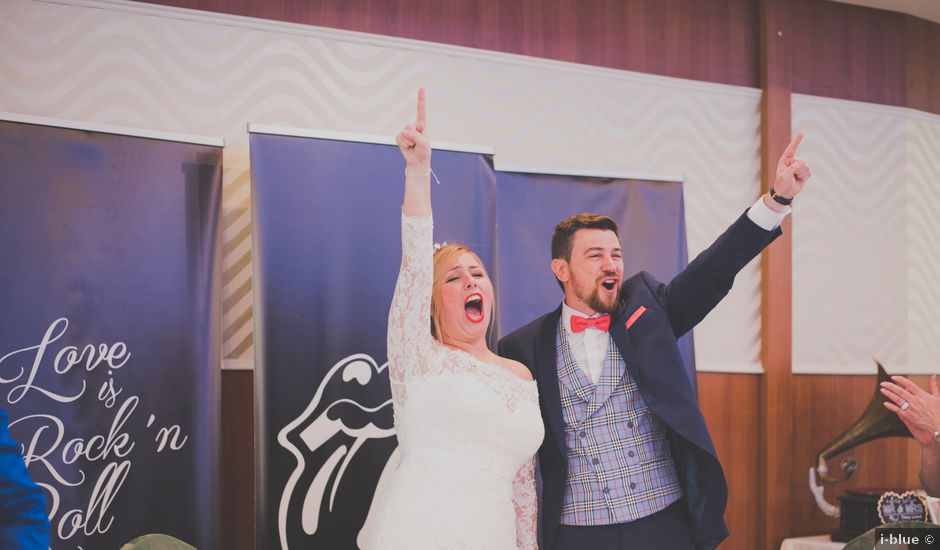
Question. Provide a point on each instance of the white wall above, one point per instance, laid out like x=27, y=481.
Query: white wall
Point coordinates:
x=865, y=263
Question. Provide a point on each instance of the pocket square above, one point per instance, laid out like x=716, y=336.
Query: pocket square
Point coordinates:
x=636, y=315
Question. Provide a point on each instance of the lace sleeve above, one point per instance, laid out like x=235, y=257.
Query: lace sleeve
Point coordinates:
x=409, y=329
x=525, y=501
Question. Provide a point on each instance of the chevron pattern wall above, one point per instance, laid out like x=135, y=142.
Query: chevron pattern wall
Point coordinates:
x=864, y=262
x=168, y=69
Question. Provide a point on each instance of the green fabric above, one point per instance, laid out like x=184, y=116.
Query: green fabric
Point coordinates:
x=866, y=541
x=157, y=542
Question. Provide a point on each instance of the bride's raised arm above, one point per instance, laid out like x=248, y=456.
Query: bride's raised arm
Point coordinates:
x=409, y=332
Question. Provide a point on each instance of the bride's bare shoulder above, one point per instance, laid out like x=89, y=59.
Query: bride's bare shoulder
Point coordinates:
x=514, y=367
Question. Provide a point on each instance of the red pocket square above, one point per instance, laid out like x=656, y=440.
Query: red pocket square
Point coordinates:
x=636, y=315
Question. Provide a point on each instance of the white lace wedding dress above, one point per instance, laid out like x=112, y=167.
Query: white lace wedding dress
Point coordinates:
x=467, y=432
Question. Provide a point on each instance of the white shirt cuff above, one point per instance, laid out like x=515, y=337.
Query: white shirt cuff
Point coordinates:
x=764, y=217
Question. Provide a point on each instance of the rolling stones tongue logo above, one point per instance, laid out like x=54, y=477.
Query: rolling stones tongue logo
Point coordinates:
x=344, y=447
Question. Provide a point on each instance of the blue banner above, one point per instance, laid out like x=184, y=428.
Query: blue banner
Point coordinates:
x=109, y=337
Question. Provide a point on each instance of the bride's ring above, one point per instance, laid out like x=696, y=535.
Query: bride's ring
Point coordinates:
x=905, y=406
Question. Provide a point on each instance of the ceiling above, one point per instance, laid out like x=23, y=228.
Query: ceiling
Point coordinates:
x=925, y=9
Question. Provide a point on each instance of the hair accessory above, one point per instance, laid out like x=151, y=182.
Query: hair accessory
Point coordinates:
x=438, y=246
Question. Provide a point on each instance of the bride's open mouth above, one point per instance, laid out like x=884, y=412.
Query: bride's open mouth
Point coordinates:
x=473, y=307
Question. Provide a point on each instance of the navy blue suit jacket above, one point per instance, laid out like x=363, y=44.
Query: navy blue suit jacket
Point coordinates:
x=24, y=524
x=651, y=354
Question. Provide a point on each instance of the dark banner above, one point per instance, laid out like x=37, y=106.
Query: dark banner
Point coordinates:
x=109, y=332
x=327, y=248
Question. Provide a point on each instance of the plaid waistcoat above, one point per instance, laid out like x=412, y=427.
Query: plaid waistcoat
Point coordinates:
x=620, y=468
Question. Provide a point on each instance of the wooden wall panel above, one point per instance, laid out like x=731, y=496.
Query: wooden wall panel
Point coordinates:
x=730, y=405
x=238, y=464
x=823, y=407
x=849, y=52
x=863, y=54
x=713, y=41
x=923, y=64
x=776, y=40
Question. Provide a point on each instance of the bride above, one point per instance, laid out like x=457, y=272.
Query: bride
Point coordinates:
x=467, y=420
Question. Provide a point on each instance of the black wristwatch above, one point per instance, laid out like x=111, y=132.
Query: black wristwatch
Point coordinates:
x=779, y=199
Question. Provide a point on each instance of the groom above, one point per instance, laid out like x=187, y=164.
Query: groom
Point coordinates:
x=627, y=461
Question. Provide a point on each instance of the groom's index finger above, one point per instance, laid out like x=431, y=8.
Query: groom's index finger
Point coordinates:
x=790, y=152
x=421, y=119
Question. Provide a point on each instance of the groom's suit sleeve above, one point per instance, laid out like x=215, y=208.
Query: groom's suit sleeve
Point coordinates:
x=698, y=288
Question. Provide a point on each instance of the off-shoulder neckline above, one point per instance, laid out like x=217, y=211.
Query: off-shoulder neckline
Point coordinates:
x=503, y=370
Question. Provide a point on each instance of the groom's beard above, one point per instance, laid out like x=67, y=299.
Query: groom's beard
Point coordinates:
x=597, y=297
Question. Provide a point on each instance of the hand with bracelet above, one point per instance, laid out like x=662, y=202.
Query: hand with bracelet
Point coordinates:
x=414, y=143
x=415, y=147
x=792, y=173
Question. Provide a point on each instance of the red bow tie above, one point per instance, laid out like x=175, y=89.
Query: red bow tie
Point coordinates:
x=578, y=323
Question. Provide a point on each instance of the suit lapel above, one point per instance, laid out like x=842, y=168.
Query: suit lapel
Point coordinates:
x=547, y=365
x=618, y=331
x=571, y=374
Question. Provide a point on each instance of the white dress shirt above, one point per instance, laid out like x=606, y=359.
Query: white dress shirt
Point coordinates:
x=588, y=347
x=764, y=217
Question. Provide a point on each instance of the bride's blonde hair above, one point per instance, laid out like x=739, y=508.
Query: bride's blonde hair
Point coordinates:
x=444, y=258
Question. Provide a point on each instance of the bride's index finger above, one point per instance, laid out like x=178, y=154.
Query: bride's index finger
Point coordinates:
x=421, y=120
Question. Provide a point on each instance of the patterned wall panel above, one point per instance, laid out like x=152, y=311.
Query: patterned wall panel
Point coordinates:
x=128, y=64
x=923, y=268
x=862, y=260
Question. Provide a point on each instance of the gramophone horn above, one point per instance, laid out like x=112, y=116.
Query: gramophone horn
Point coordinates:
x=876, y=422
